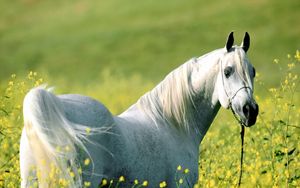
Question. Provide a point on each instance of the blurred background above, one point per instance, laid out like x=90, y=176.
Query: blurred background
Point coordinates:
x=117, y=50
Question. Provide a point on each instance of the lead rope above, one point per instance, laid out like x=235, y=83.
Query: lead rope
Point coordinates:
x=242, y=154
x=242, y=133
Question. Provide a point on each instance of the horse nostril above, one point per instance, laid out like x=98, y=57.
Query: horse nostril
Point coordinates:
x=246, y=109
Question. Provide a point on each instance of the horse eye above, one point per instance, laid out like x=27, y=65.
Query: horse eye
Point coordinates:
x=228, y=71
x=253, y=72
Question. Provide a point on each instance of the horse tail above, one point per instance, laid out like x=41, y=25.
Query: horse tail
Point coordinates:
x=53, y=139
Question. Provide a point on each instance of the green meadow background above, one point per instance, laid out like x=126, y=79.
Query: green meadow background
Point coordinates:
x=117, y=50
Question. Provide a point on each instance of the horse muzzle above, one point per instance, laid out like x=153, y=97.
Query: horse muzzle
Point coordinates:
x=250, y=112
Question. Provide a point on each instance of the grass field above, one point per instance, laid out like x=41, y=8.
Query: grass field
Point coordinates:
x=117, y=50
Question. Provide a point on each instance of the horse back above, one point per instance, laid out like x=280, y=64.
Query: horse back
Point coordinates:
x=86, y=111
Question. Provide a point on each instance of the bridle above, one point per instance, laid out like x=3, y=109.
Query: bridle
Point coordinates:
x=230, y=99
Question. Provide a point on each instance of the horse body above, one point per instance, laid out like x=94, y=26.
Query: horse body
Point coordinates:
x=146, y=142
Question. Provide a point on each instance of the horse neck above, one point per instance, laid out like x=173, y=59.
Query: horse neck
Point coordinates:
x=190, y=112
x=206, y=98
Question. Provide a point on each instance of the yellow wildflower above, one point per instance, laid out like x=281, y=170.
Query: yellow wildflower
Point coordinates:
x=163, y=184
x=211, y=183
x=104, y=182
x=136, y=182
x=145, y=183
x=291, y=65
x=10, y=83
x=297, y=55
x=87, y=184
x=186, y=171
x=179, y=168
x=30, y=74
x=62, y=182
x=121, y=179
x=180, y=181
x=87, y=161
x=72, y=174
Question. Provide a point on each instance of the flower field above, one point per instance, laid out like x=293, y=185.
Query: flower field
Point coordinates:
x=272, y=156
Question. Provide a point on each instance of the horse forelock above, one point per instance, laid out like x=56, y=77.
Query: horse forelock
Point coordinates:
x=242, y=64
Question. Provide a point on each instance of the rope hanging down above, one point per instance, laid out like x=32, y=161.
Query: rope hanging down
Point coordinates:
x=242, y=154
x=242, y=133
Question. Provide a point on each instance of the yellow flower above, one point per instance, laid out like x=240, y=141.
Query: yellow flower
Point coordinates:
x=297, y=56
x=163, y=184
x=86, y=161
x=121, y=179
x=30, y=75
x=5, y=146
x=286, y=82
x=62, y=182
x=180, y=181
x=87, y=184
x=10, y=83
x=104, y=182
x=211, y=183
x=179, y=168
x=136, y=182
x=72, y=174
x=145, y=183
x=186, y=171
x=291, y=65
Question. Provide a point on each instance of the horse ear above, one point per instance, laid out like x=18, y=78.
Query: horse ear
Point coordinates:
x=246, y=42
x=230, y=41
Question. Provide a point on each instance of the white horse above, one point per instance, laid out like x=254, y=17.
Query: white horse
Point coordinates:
x=74, y=141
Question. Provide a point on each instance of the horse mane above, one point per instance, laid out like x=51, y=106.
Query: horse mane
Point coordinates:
x=171, y=100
